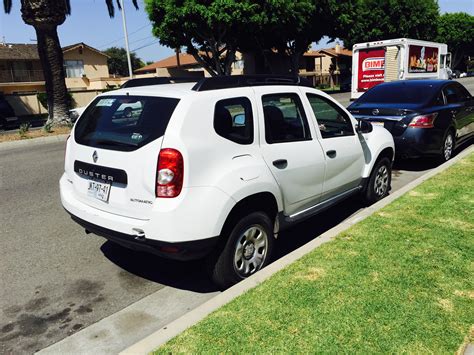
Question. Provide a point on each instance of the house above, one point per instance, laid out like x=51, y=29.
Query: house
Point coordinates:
x=21, y=71
x=333, y=64
x=183, y=65
x=321, y=67
x=20, y=68
x=337, y=59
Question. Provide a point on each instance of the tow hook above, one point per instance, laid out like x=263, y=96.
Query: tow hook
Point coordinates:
x=139, y=234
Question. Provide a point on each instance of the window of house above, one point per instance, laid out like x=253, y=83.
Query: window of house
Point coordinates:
x=233, y=120
x=285, y=120
x=332, y=121
x=74, y=68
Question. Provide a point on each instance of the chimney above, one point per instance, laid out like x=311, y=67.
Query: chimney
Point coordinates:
x=338, y=48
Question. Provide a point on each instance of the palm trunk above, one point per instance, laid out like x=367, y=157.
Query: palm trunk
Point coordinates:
x=51, y=56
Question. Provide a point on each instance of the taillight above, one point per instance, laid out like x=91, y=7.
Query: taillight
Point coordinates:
x=169, y=174
x=423, y=121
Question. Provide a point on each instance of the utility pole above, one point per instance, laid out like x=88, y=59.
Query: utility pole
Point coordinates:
x=130, y=71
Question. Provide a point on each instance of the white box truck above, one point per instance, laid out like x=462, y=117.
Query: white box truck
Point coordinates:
x=397, y=59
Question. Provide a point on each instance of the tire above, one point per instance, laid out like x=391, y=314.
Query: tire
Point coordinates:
x=379, y=182
x=248, y=248
x=447, y=147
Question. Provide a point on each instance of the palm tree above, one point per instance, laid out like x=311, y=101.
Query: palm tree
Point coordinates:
x=45, y=16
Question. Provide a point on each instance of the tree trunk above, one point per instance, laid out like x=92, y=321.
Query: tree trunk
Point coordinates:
x=51, y=56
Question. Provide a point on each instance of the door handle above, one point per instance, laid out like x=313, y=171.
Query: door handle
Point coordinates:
x=331, y=153
x=280, y=163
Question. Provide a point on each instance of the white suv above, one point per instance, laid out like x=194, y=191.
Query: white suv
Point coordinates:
x=217, y=168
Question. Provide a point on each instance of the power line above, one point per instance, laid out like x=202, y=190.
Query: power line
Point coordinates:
x=141, y=39
x=146, y=45
x=121, y=38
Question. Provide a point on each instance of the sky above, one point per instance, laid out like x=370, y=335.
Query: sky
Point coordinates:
x=90, y=23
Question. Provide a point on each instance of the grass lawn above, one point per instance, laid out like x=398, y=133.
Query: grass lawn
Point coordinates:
x=15, y=136
x=400, y=281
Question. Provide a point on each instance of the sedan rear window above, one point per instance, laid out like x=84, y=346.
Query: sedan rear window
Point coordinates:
x=400, y=93
x=124, y=122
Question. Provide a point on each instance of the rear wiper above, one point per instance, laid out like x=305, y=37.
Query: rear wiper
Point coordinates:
x=116, y=143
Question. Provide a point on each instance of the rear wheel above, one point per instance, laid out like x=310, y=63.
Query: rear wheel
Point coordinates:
x=247, y=249
x=447, y=147
x=379, y=181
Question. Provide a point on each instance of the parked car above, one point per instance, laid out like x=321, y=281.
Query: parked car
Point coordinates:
x=218, y=168
x=75, y=113
x=7, y=115
x=425, y=117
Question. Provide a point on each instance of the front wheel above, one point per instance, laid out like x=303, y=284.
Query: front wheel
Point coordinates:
x=379, y=181
x=248, y=248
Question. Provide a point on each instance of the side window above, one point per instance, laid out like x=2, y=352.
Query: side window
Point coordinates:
x=233, y=120
x=451, y=94
x=464, y=95
x=285, y=120
x=332, y=121
x=439, y=100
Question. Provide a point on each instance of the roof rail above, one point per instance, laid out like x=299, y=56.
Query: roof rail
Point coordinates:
x=233, y=81
x=157, y=80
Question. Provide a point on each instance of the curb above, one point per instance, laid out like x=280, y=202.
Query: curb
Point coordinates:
x=173, y=329
x=33, y=142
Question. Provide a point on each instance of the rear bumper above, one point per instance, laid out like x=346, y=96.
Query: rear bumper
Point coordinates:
x=418, y=142
x=178, y=251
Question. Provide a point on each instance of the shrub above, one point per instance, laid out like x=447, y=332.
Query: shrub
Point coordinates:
x=24, y=128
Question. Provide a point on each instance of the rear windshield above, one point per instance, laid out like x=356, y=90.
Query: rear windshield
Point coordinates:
x=410, y=94
x=124, y=122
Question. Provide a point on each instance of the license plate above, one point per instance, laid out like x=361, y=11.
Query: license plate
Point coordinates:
x=99, y=190
x=375, y=123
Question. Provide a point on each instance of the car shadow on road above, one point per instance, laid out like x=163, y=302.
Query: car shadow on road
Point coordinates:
x=189, y=275
x=422, y=164
x=192, y=275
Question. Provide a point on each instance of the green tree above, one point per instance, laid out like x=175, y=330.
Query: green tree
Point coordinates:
x=118, y=63
x=212, y=31
x=457, y=31
x=374, y=20
x=45, y=16
x=209, y=30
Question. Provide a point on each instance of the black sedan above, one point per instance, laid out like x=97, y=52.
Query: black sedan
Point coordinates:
x=425, y=117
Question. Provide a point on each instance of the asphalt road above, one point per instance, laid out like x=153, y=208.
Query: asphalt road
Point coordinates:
x=57, y=280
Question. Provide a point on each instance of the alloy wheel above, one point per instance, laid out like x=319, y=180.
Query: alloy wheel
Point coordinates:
x=381, y=181
x=250, y=251
x=448, y=146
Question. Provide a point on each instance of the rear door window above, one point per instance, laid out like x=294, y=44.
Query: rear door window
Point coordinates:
x=451, y=94
x=124, y=122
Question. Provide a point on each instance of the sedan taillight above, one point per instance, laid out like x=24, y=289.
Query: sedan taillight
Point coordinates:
x=169, y=174
x=423, y=121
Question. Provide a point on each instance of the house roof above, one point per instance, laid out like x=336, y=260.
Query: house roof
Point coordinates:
x=332, y=52
x=312, y=53
x=169, y=62
x=83, y=45
x=18, y=51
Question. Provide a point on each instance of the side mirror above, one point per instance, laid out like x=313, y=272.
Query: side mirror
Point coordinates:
x=364, y=126
x=239, y=120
